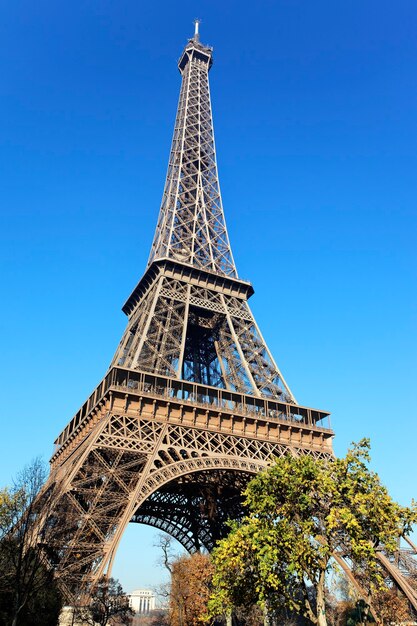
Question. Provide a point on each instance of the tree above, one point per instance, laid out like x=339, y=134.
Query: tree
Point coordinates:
x=391, y=606
x=108, y=605
x=341, y=597
x=167, y=557
x=359, y=614
x=164, y=544
x=301, y=512
x=190, y=589
x=27, y=586
x=6, y=506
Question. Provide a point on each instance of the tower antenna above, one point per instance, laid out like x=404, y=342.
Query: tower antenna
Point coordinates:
x=197, y=23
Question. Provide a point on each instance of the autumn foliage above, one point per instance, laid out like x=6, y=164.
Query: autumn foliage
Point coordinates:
x=190, y=589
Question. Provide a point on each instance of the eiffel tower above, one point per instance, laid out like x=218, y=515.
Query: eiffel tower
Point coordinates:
x=193, y=404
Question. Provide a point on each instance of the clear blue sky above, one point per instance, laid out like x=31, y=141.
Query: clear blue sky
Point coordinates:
x=315, y=118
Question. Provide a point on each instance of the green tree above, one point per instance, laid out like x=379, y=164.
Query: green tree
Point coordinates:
x=6, y=506
x=359, y=614
x=301, y=512
x=28, y=592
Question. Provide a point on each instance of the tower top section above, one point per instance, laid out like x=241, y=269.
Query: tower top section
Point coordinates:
x=196, y=50
x=191, y=227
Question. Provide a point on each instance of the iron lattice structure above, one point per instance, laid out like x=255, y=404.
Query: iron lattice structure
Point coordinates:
x=188, y=316
x=191, y=227
x=193, y=403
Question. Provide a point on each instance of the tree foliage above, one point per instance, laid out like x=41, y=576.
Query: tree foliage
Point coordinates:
x=301, y=512
x=109, y=605
x=190, y=589
x=28, y=592
x=391, y=606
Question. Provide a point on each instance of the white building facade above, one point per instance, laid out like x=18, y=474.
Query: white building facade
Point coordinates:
x=142, y=601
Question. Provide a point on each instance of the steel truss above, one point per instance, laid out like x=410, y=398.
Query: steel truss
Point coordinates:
x=189, y=324
x=171, y=454
x=191, y=227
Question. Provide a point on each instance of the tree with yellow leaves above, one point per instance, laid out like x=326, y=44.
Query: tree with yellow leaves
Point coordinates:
x=301, y=512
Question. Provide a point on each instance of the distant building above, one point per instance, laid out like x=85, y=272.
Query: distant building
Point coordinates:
x=142, y=601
